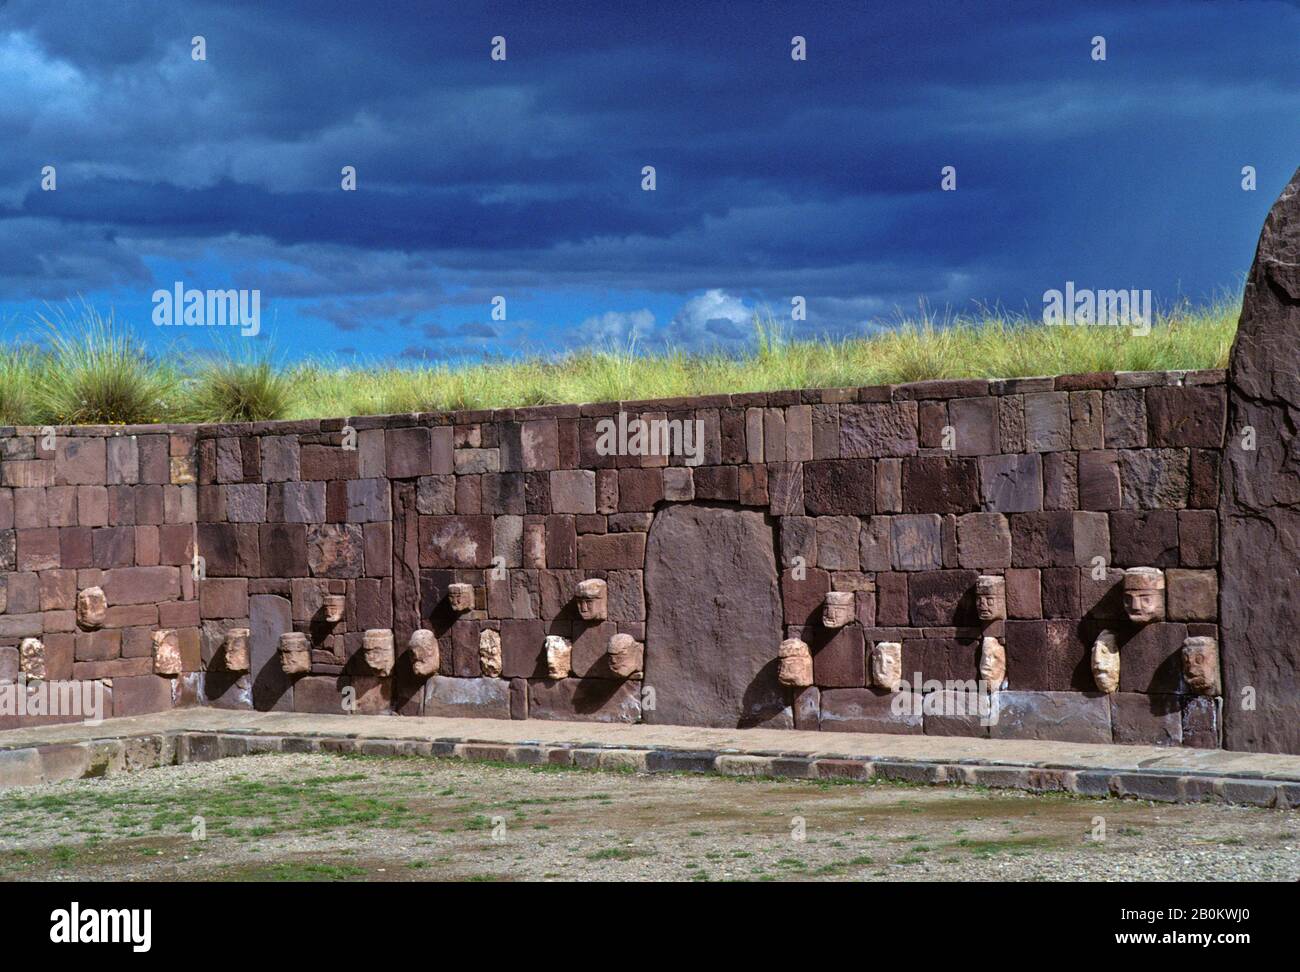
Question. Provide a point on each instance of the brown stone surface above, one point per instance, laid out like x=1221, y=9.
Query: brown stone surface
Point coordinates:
x=1261, y=495
x=713, y=623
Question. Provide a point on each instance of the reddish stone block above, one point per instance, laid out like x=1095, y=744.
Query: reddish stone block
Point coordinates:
x=574, y=490
x=892, y=605
x=58, y=590
x=155, y=466
x=141, y=694
x=1060, y=592
x=1147, y=539
x=802, y=598
x=612, y=552
x=141, y=585
x=940, y=598
x=869, y=710
x=280, y=459
x=1024, y=599
x=78, y=461
x=933, y=484
x=1042, y=539
x=229, y=549
x=523, y=648
x=223, y=597
x=875, y=430
x=975, y=424
x=35, y=549
x=1198, y=538
x=455, y=541
x=1146, y=720
x=75, y=547
x=932, y=420
x=178, y=614
x=1087, y=430
x=839, y=656
x=984, y=540
x=1203, y=492
x=1192, y=595
x=1187, y=416
x=1151, y=658
x=719, y=483
x=838, y=486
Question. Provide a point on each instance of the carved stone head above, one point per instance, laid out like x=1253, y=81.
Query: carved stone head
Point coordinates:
x=235, y=650
x=425, y=657
x=993, y=663
x=489, y=653
x=838, y=609
x=886, y=665
x=92, y=607
x=593, y=602
x=1105, y=663
x=460, y=597
x=991, y=597
x=625, y=655
x=31, y=658
x=333, y=605
x=378, y=650
x=295, y=653
x=559, y=657
x=794, y=664
x=166, y=652
x=1144, y=594
x=1201, y=665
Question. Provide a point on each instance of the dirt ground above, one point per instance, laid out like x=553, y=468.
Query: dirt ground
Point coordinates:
x=316, y=817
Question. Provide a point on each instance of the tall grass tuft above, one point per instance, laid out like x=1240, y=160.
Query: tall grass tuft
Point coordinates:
x=231, y=386
x=94, y=372
x=17, y=385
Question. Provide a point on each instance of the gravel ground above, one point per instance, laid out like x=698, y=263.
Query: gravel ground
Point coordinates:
x=317, y=817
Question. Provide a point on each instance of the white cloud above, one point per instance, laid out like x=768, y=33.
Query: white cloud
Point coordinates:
x=616, y=327
x=714, y=317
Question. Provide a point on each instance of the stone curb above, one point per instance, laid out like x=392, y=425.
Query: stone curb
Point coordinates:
x=56, y=762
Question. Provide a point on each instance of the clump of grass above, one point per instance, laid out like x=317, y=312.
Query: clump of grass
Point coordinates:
x=232, y=387
x=94, y=372
x=17, y=381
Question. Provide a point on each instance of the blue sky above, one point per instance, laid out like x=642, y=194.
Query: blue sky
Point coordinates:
x=522, y=178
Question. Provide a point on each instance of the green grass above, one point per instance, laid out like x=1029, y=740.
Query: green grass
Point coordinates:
x=92, y=370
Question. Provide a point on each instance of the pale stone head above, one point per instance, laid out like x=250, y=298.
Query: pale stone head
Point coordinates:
x=235, y=650
x=625, y=655
x=333, y=606
x=489, y=653
x=425, y=656
x=1201, y=665
x=92, y=607
x=991, y=597
x=794, y=664
x=378, y=650
x=31, y=658
x=295, y=653
x=166, y=652
x=1105, y=662
x=559, y=657
x=460, y=597
x=886, y=665
x=993, y=663
x=1144, y=594
x=593, y=600
x=838, y=609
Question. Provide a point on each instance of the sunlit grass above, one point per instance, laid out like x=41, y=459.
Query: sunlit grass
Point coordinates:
x=90, y=370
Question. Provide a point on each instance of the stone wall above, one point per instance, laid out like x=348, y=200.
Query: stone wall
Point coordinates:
x=899, y=496
x=111, y=509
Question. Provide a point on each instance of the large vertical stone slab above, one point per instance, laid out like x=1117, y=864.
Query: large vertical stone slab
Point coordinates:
x=1260, y=504
x=714, y=618
x=269, y=617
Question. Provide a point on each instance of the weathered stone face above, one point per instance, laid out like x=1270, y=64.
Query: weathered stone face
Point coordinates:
x=425, y=656
x=295, y=653
x=333, y=606
x=92, y=607
x=166, y=653
x=1201, y=665
x=795, y=666
x=991, y=597
x=460, y=597
x=593, y=602
x=993, y=663
x=235, y=650
x=887, y=665
x=489, y=653
x=31, y=658
x=838, y=609
x=1260, y=505
x=625, y=655
x=1105, y=663
x=1144, y=594
x=378, y=650
x=559, y=657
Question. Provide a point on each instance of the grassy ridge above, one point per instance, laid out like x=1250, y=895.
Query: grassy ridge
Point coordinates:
x=90, y=370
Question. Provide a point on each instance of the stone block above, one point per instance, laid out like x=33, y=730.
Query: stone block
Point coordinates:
x=1066, y=716
x=932, y=484
x=875, y=430
x=1012, y=483
x=836, y=487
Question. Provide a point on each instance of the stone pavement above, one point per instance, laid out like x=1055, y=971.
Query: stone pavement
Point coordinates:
x=75, y=750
